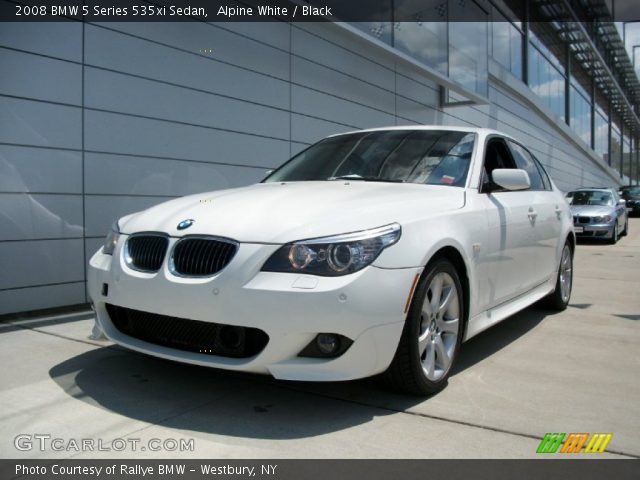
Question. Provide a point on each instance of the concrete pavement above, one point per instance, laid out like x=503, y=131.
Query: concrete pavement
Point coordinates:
x=537, y=372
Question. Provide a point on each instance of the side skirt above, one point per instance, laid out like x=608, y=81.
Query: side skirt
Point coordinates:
x=488, y=318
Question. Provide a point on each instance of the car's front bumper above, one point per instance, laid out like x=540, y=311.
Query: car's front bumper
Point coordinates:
x=367, y=307
x=604, y=231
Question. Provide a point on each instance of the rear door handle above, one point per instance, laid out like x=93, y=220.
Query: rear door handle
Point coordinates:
x=558, y=211
x=532, y=214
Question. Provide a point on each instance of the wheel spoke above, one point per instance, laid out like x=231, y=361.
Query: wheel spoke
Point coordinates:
x=427, y=311
x=448, y=293
x=443, y=355
x=429, y=362
x=423, y=341
x=436, y=292
x=449, y=326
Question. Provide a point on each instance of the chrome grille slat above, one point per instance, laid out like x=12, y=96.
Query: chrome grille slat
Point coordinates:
x=212, y=263
x=200, y=256
x=146, y=252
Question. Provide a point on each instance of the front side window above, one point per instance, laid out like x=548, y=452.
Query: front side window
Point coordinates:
x=524, y=161
x=434, y=157
x=496, y=155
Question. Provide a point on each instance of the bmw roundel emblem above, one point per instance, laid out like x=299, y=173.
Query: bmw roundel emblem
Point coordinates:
x=186, y=223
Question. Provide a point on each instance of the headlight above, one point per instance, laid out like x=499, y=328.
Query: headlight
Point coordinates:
x=335, y=255
x=602, y=219
x=111, y=240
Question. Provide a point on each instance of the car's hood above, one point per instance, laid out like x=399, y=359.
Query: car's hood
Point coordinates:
x=284, y=212
x=592, y=210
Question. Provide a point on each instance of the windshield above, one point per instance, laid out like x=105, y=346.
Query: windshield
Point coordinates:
x=434, y=157
x=630, y=192
x=604, y=199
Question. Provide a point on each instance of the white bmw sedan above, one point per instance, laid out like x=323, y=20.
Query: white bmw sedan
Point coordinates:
x=373, y=251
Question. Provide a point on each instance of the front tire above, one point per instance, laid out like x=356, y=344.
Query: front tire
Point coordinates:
x=626, y=228
x=559, y=298
x=432, y=332
x=614, y=236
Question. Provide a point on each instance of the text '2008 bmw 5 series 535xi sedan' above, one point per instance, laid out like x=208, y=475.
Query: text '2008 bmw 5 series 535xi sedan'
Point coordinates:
x=376, y=251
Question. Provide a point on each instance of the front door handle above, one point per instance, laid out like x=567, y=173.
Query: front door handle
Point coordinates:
x=532, y=214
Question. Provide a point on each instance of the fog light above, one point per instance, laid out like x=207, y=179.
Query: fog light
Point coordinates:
x=328, y=343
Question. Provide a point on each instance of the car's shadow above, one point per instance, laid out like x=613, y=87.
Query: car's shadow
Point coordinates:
x=200, y=399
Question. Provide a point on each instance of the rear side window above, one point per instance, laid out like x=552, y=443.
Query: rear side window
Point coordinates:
x=525, y=161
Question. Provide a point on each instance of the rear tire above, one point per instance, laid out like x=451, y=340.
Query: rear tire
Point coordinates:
x=559, y=298
x=432, y=332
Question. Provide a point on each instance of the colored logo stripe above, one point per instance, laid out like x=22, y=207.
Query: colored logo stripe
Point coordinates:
x=574, y=442
x=550, y=443
x=598, y=442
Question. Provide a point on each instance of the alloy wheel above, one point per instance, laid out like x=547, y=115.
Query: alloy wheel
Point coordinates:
x=566, y=273
x=439, y=326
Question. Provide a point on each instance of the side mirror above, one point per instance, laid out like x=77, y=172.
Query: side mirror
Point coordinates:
x=622, y=201
x=511, y=178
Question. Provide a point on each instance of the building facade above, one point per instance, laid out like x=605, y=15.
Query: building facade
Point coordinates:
x=100, y=120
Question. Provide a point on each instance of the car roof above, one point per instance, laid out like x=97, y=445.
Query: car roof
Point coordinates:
x=481, y=131
x=592, y=189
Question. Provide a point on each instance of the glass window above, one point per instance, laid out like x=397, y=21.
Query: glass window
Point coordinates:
x=456, y=46
x=601, y=140
x=626, y=156
x=435, y=157
x=580, y=110
x=423, y=40
x=543, y=173
x=378, y=30
x=546, y=81
x=468, y=46
x=506, y=44
x=616, y=145
x=525, y=161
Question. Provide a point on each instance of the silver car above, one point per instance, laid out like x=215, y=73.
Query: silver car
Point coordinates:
x=598, y=213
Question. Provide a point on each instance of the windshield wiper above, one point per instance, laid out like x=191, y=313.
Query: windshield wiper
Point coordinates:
x=354, y=176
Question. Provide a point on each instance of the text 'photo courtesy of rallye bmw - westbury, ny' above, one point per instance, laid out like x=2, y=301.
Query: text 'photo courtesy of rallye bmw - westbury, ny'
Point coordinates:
x=372, y=252
x=141, y=471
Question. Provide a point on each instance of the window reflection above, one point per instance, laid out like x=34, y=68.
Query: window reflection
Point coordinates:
x=616, y=144
x=456, y=46
x=580, y=109
x=506, y=43
x=468, y=45
x=546, y=81
x=378, y=30
x=601, y=139
x=424, y=41
x=468, y=54
x=626, y=155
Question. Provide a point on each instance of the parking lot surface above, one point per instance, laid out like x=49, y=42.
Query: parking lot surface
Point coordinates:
x=537, y=372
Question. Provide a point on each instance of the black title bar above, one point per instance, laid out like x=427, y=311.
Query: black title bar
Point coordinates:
x=318, y=469
x=269, y=10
